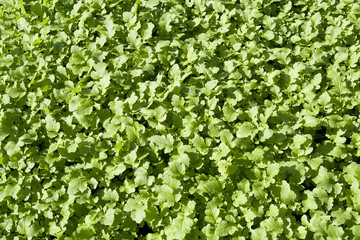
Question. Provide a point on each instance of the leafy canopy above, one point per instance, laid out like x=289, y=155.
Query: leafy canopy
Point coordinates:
x=173, y=119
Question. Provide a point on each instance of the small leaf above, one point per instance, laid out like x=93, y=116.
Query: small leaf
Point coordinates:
x=199, y=144
x=225, y=228
x=109, y=217
x=269, y=35
x=36, y=8
x=163, y=142
x=259, y=234
x=286, y=194
x=226, y=137
x=245, y=130
x=51, y=125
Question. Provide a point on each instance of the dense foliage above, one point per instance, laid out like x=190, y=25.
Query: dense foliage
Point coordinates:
x=179, y=119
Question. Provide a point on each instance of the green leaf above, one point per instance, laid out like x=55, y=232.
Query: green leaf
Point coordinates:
x=200, y=144
x=138, y=215
x=335, y=232
x=225, y=228
x=110, y=195
x=259, y=234
x=109, y=217
x=245, y=130
x=286, y=194
x=28, y=227
x=36, y=8
x=177, y=168
x=356, y=231
x=11, y=148
x=140, y=176
x=269, y=35
x=133, y=39
x=229, y=113
x=147, y=31
x=338, y=80
x=112, y=171
x=310, y=202
x=273, y=211
x=316, y=18
x=226, y=137
x=179, y=227
x=77, y=185
x=210, y=86
x=324, y=179
x=163, y=142
x=11, y=190
x=78, y=55
x=341, y=216
x=74, y=103
x=23, y=24
x=85, y=107
x=273, y=225
x=51, y=126
x=212, y=212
